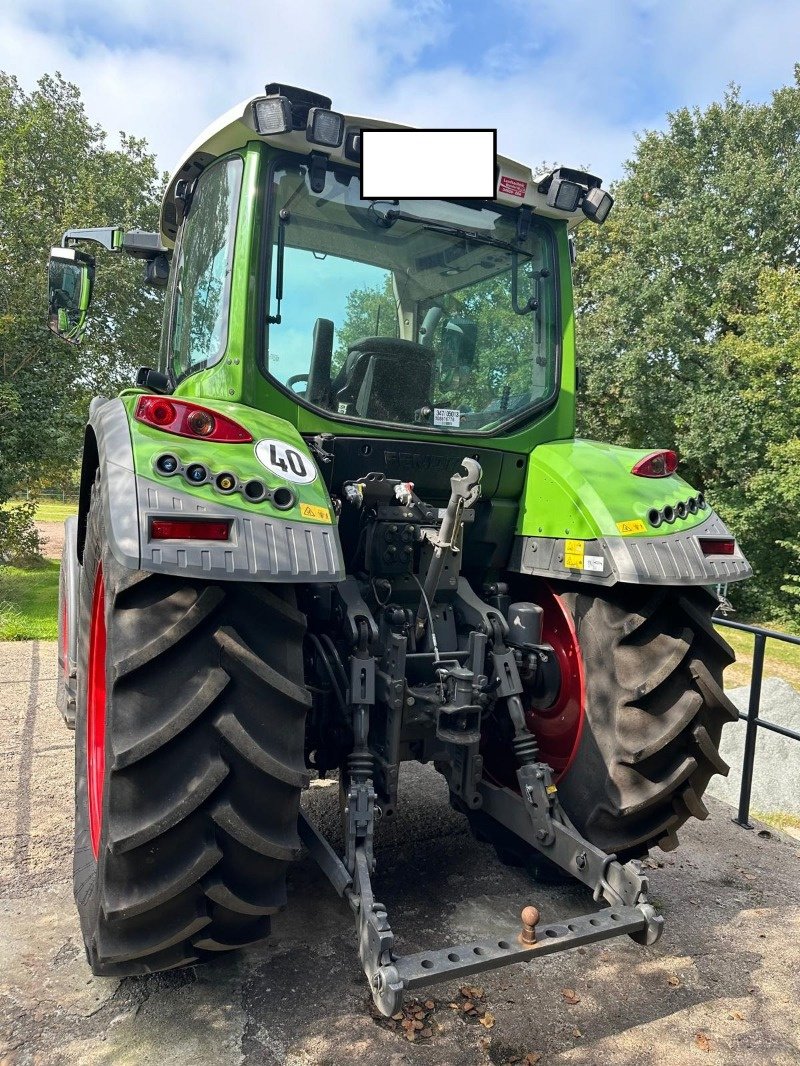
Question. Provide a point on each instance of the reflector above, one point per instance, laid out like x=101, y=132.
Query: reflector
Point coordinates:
x=713, y=546
x=189, y=529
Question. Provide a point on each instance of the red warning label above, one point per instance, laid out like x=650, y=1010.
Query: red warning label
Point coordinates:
x=512, y=186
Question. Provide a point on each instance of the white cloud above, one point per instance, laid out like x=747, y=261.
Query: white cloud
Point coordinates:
x=561, y=83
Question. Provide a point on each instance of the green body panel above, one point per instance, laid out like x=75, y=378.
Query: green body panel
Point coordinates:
x=238, y=459
x=582, y=489
x=225, y=379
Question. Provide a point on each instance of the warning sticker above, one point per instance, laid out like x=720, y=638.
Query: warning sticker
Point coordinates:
x=446, y=416
x=321, y=514
x=633, y=525
x=573, y=554
x=512, y=186
x=593, y=562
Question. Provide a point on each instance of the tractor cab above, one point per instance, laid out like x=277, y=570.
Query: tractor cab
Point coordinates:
x=434, y=315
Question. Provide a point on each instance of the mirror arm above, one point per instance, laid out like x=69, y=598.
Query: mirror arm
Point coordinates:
x=110, y=237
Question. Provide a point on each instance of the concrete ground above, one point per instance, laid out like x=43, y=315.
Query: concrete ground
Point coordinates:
x=776, y=780
x=721, y=987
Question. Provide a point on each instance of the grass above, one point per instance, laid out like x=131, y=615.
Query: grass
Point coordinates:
x=29, y=602
x=787, y=823
x=53, y=510
x=780, y=660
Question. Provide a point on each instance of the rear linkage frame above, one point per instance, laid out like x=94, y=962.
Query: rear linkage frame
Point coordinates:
x=535, y=814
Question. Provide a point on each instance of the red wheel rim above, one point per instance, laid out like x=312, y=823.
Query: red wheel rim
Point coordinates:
x=558, y=726
x=96, y=712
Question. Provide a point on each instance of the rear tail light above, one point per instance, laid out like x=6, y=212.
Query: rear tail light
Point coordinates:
x=190, y=529
x=189, y=420
x=713, y=546
x=656, y=464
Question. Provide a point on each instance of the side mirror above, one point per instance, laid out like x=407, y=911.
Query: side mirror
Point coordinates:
x=70, y=277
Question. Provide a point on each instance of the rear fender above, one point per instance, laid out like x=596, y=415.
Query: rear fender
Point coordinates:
x=298, y=543
x=586, y=517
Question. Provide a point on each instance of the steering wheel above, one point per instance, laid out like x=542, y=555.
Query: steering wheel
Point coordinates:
x=296, y=379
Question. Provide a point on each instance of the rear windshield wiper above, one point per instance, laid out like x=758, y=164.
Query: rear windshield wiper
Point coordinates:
x=388, y=218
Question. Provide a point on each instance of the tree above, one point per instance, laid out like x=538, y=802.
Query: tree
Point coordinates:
x=686, y=304
x=56, y=173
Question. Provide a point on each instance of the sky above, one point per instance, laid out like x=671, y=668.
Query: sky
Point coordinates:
x=561, y=82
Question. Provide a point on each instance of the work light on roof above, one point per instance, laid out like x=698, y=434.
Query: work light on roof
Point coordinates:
x=272, y=114
x=596, y=205
x=325, y=128
x=563, y=194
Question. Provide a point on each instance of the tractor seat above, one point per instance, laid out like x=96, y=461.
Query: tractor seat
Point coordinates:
x=384, y=378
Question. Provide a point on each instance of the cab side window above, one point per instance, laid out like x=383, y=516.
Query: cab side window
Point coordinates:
x=199, y=332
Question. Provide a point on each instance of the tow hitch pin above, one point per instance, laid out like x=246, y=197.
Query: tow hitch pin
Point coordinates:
x=530, y=919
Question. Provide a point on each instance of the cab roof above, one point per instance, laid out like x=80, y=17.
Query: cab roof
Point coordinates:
x=517, y=184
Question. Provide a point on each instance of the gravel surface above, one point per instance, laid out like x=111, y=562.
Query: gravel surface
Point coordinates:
x=721, y=986
x=51, y=535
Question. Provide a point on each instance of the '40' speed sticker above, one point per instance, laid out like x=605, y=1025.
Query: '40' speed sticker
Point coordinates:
x=285, y=461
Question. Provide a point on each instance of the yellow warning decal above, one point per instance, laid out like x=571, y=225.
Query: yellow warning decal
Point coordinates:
x=573, y=554
x=551, y=790
x=633, y=525
x=321, y=514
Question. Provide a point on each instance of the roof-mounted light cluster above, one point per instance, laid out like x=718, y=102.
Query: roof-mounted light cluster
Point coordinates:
x=567, y=190
x=285, y=108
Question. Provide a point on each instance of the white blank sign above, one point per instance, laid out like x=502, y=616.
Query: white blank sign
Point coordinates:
x=428, y=164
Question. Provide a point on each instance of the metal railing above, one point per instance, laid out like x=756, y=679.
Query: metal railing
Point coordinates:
x=752, y=718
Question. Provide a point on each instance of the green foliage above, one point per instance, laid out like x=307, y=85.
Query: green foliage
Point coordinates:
x=56, y=173
x=370, y=312
x=688, y=304
x=18, y=533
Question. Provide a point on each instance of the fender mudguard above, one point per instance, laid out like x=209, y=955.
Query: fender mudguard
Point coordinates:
x=586, y=517
x=261, y=546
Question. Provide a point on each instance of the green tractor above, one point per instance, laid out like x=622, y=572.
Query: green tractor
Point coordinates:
x=344, y=523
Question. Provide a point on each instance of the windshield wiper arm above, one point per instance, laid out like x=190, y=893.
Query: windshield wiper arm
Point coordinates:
x=388, y=218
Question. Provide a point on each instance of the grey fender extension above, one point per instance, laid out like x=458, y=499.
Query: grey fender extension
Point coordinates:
x=671, y=559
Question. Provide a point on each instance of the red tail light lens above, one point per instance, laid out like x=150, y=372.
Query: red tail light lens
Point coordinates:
x=186, y=419
x=656, y=464
x=189, y=529
x=723, y=546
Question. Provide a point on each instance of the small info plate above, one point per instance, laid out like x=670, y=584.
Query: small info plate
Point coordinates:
x=446, y=416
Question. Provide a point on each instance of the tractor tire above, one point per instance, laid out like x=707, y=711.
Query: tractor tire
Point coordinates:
x=188, y=764
x=653, y=713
